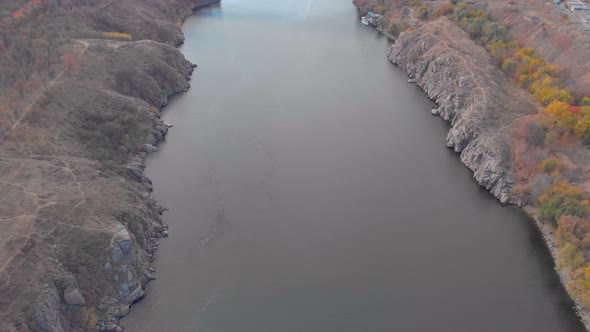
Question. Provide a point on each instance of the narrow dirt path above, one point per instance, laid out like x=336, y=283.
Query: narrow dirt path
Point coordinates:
x=30, y=218
x=41, y=93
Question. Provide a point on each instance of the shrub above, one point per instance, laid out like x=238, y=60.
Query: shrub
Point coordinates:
x=381, y=10
x=571, y=256
x=538, y=185
x=561, y=199
x=535, y=134
x=521, y=191
x=395, y=29
x=423, y=12
x=117, y=35
x=444, y=10
x=550, y=165
x=564, y=17
x=509, y=66
x=550, y=138
x=582, y=130
x=561, y=114
x=495, y=32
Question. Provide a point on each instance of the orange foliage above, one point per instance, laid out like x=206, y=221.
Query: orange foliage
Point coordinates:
x=26, y=9
x=561, y=114
x=444, y=10
x=18, y=14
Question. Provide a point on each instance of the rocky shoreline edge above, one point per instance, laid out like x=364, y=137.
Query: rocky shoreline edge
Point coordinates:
x=137, y=168
x=472, y=94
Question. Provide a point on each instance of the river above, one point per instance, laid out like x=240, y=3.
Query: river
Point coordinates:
x=309, y=189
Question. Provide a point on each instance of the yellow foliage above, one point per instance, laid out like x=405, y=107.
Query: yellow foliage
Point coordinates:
x=545, y=94
x=550, y=165
x=524, y=79
x=570, y=256
x=561, y=113
x=525, y=52
x=565, y=189
x=581, y=127
x=117, y=35
x=548, y=69
x=564, y=95
x=537, y=62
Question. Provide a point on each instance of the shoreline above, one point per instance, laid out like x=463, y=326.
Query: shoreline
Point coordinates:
x=140, y=160
x=546, y=232
x=74, y=167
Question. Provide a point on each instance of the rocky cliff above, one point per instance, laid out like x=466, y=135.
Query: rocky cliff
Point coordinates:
x=476, y=98
x=78, y=227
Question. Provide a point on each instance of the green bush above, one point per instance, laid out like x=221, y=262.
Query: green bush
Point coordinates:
x=423, y=12
x=549, y=165
x=562, y=199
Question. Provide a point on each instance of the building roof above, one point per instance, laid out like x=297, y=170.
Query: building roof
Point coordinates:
x=372, y=14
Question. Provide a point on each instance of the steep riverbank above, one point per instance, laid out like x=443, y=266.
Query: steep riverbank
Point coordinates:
x=79, y=228
x=483, y=107
x=472, y=94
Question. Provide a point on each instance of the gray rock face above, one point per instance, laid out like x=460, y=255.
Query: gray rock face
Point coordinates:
x=73, y=296
x=473, y=94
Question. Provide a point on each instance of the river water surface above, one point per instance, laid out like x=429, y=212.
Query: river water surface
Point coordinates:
x=309, y=189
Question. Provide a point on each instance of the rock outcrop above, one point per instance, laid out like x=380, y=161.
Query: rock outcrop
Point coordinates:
x=476, y=98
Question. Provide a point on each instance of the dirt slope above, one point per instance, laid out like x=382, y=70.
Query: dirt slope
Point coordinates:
x=78, y=227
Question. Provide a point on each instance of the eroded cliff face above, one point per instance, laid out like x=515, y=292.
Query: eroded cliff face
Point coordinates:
x=83, y=227
x=476, y=98
x=78, y=227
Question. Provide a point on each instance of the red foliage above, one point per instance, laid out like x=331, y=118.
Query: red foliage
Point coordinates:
x=18, y=14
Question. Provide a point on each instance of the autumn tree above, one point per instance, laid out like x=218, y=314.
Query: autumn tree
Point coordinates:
x=560, y=114
x=561, y=199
